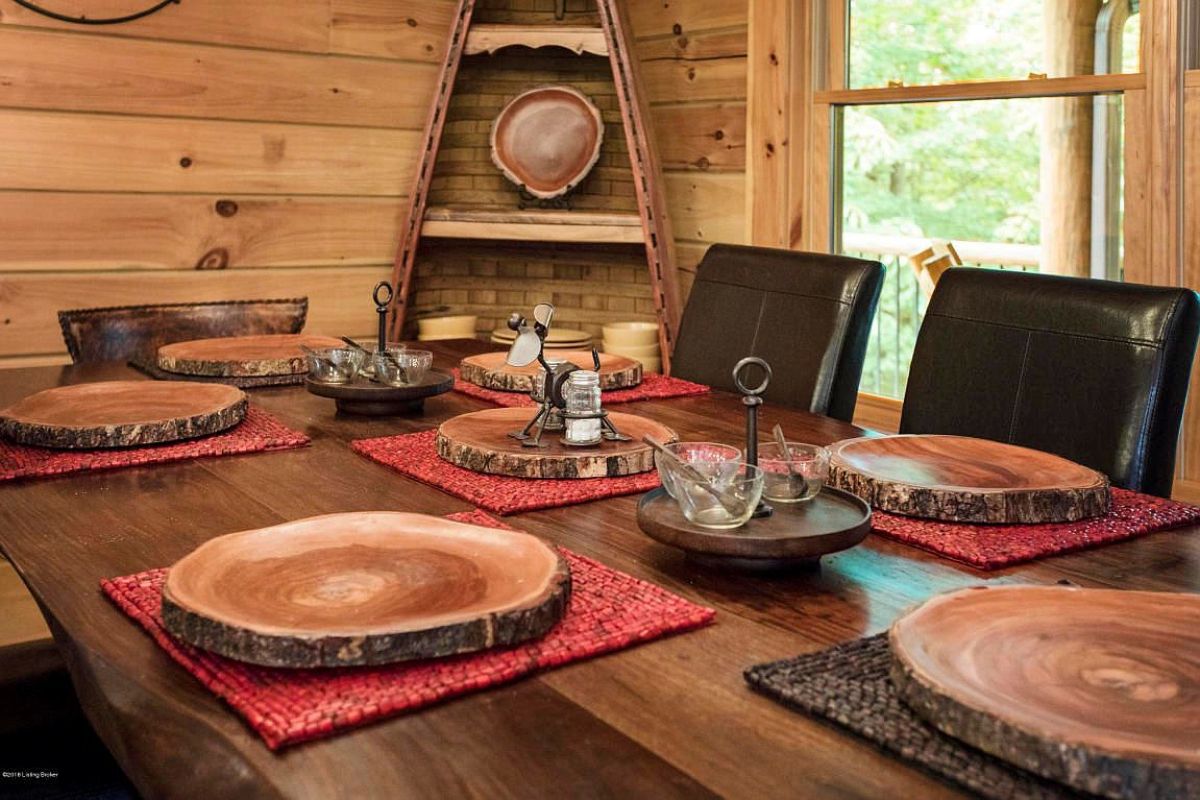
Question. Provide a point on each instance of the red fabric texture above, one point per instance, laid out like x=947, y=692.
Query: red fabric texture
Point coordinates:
x=995, y=546
x=608, y=611
x=652, y=387
x=258, y=432
x=414, y=455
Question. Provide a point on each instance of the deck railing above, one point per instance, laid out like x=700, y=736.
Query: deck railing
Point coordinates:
x=902, y=304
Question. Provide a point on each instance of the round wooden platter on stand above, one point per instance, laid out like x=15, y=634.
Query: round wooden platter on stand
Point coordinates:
x=368, y=398
x=480, y=442
x=490, y=371
x=1096, y=688
x=364, y=588
x=796, y=535
x=122, y=414
x=241, y=356
x=547, y=139
x=961, y=479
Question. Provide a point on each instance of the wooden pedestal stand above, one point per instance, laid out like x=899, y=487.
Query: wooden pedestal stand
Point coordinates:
x=364, y=588
x=961, y=479
x=480, y=442
x=490, y=371
x=1096, y=688
x=122, y=414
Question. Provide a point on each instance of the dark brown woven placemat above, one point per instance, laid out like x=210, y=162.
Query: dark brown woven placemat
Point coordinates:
x=849, y=686
x=246, y=382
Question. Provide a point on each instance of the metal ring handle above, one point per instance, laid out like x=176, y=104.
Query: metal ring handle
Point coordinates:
x=740, y=367
x=375, y=294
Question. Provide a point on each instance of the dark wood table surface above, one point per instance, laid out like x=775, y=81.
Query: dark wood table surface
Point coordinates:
x=669, y=718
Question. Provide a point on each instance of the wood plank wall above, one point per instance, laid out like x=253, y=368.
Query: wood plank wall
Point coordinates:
x=298, y=119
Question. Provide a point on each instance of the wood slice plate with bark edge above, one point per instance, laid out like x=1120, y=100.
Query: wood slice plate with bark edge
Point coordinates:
x=1096, y=688
x=547, y=139
x=795, y=535
x=479, y=441
x=122, y=414
x=363, y=588
x=242, y=356
x=962, y=479
x=490, y=371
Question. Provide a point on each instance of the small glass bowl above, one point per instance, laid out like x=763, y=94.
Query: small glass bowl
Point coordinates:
x=741, y=491
x=368, y=366
x=334, y=364
x=399, y=366
x=809, y=463
x=709, y=458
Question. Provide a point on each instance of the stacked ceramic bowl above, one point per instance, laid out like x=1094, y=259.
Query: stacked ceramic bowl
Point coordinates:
x=557, y=339
x=636, y=340
x=434, y=329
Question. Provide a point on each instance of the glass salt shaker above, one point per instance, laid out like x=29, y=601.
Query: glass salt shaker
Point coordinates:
x=583, y=407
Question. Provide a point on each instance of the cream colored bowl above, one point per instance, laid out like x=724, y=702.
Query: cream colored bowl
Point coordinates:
x=456, y=327
x=631, y=333
x=650, y=364
x=633, y=351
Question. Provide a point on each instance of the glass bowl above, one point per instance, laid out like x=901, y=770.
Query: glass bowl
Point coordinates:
x=709, y=458
x=400, y=366
x=334, y=364
x=809, y=469
x=739, y=490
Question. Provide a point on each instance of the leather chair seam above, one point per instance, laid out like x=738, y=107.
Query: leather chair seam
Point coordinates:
x=837, y=300
x=1158, y=344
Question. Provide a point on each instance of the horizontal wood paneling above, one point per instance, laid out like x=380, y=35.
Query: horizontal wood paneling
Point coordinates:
x=663, y=17
x=707, y=207
x=406, y=29
x=673, y=81
x=46, y=150
x=339, y=300
x=48, y=70
x=54, y=231
x=701, y=137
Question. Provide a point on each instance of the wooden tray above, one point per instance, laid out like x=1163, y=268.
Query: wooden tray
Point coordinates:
x=122, y=414
x=961, y=479
x=795, y=535
x=239, y=356
x=364, y=588
x=380, y=400
x=1096, y=688
x=479, y=441
x=547, y=139
x=489, y=370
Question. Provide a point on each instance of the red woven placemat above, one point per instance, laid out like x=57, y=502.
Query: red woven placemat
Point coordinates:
x=994, y=546
x=609, y=611
x=415, y=456
x=258, y=432
x=652, y=387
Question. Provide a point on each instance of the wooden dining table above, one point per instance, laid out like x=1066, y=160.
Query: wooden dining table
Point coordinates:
x=669, y=718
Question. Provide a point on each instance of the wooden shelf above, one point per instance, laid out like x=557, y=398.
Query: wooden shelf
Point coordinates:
x=576, y=38
x=533, y=225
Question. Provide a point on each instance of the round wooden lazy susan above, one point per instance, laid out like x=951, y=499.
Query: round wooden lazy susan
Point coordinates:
x=795, y=535
x=490, y=371
x=547, y=139
x=364, y=588
x=242, y=356
x=122, y=414
x=479, y=441
x=962, y=479
x=368, y=398
x=1098, y=689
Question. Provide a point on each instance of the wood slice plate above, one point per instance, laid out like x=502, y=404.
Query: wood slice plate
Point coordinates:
x=122, y=414
x=368, y=398
x=961, y=479
x=1096, y=688
x=490, y=371
x=239, y=356
x=795, y=535
x=479, y=441
x=364, y=588
x=546, y=140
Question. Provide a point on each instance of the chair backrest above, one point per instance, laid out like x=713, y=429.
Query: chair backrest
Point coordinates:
x=1095, y=371
x=807, y=314
x=135, y=332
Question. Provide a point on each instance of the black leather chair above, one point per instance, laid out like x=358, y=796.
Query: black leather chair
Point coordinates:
x=1094, y=371
x=807, y=314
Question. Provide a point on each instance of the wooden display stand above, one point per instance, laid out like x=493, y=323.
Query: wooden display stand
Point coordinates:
x=960, y=479
x=122, y=414
x=240, y=356
x=1095, y=688
x=480, y=442
x=491, y=370
x=364, y=588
